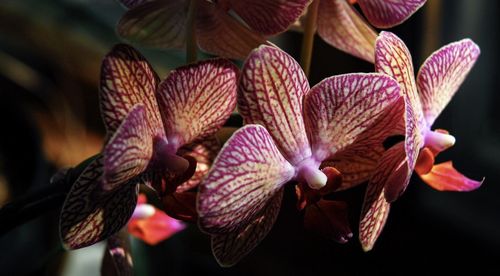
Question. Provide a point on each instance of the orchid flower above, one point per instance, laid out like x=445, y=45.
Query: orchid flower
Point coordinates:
x=147, y=124
x=437, y=81
x=341, y=26
x=290, y=130
x=160, y=23
x=151, y=224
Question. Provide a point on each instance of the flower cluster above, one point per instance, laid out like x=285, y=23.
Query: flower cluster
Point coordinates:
x=321, y=139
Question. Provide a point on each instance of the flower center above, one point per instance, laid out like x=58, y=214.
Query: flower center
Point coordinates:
x=439, y=140
x=308, y=171
x=165, y=157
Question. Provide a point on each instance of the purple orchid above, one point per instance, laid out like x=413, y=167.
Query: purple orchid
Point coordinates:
x=290, y=130
x=147, y=124
x=160, y=23
x=437, y=81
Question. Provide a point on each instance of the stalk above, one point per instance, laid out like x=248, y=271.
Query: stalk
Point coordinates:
x=308, y=38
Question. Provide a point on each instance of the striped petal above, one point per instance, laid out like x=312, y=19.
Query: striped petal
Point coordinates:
x=271, y=92
x=393, y=58
x=328, y=219
x=88, y=215
x=220, y=34
x=230, y=248
x=127, y=79
x=269, y=17
x=160, y=24
x=204, y=152
x=129, y=151
x=340, y=108
x=340, y=25
x=442, y=74
x=133, y=3
x=196, y=100
x=389, y=13
x=247, y=173
x=443, y=177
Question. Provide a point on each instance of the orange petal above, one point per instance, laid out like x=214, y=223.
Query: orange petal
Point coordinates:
x=443, y=177
x=425, y=161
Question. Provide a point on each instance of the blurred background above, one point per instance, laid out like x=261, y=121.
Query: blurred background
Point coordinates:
x=50, y=54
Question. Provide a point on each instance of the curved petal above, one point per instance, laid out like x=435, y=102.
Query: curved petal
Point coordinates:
x=127, y=79
x=340, y=108
x=246, y=174
x=160, y=24
x=385, y=14
x=133, y=3
x=181, y=206
x=443, y=177
x=341, y=26
x=88, y=215
x=220, y=34
x=197, y=99
x=230, y=248
x=128, y=152
x=271, y=91
x=442, y=74
x=269, y=17
x=117, y=260
x=391, y=168
x=329, y=219
x=393, y=58
x=204, y=152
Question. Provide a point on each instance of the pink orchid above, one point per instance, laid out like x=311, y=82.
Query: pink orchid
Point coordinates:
x=160, y=23
x=147, y=122
x=341, y=26
x=437, y=81
x=151, y=224
x=291, y=129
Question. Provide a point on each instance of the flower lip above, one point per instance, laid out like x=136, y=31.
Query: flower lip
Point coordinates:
x=438, y=140
x=308, y=171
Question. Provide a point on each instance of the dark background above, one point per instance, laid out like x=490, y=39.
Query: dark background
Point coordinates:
x=50, y=54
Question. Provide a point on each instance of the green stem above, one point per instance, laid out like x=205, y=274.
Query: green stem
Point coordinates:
x=191, y=47
x=308, y=38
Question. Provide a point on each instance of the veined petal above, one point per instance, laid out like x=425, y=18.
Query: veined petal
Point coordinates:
x=442, y=74
x=393, y=58
x=329, y=219
x=443, y=177
x=271, y=91
x=88, y=215
x=341, y=26
x=246, y=174
x=196, y=100
x=392, y=168
x=230, y=248
x=160, y=24
x=389, y=13
x=269, y=17
x=220, y=34
x=117, y=260
x=127, y=79
x=133, y=3
x=128, y=152
x=340, y=108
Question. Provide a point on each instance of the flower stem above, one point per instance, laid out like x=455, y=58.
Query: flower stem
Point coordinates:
x=308, y=38
x=191, y=47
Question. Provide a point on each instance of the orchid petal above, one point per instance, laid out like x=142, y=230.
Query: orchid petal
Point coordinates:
x=204, y=152
x=89, y=215
x=385, y=14
x=269, y=17
x=340, y=108
x=230, y=248
x=160, y=24
x=246, y=174
x=196, y=100
x=181, y=206
x=443, y=177
x=117, y=260
x=133, y=3
x=393, y=58
x=392, y=167
x=341, y=26
x=155, y=228
x=129, y=151
x=328, y=219
x=271, y=91
x=127, y=79
x=442, y=74
x=220, y=34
